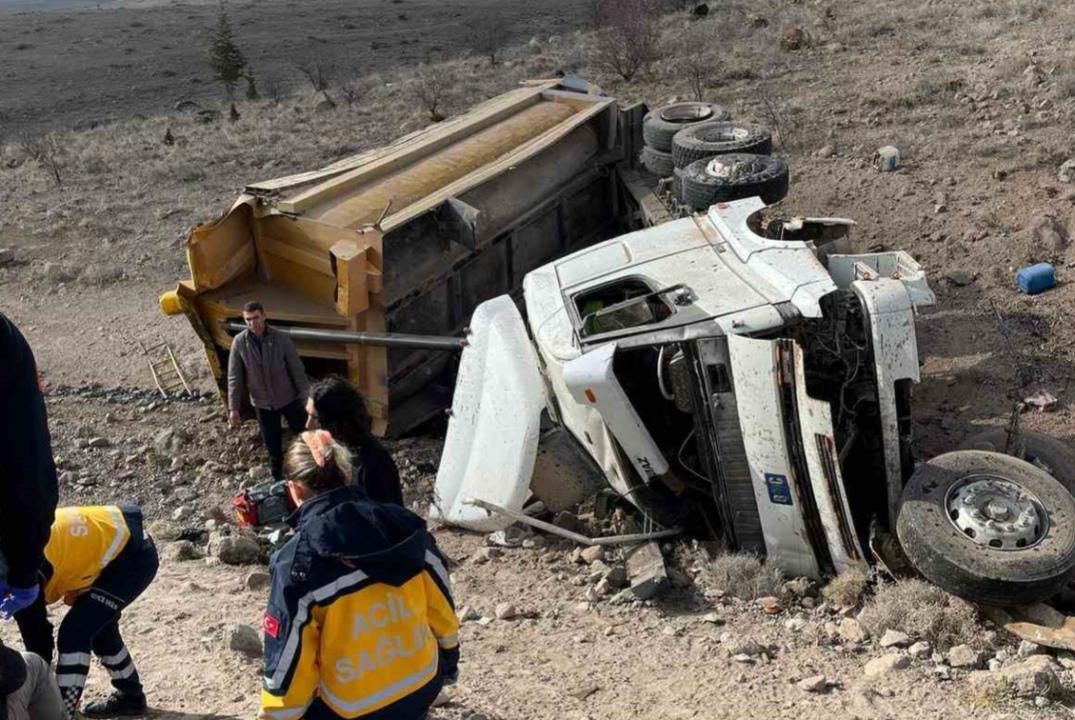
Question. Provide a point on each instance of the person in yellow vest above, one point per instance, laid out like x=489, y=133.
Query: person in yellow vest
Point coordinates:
x=360, y=620
x=97, y=560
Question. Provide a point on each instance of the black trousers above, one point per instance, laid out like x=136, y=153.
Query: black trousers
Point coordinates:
x=272, y=434
x=93, y=621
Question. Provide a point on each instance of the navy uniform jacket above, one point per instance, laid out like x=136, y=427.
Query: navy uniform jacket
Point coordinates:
x=360, y=621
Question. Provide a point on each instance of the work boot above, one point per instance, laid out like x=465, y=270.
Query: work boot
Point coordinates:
x=116, y=705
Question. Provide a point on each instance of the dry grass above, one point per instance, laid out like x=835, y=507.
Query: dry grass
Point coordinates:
x=923, y=611
x=846, y=588
x=742, y=575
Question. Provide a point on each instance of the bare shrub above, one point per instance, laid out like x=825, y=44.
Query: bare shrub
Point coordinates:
x=698, y=67
x=353, y=92
x=274, y=91
x=790, y=125
x=629, y=37
x=45, y=151
x=489, y=35
x=431, y=87
x=742, y=575
x=923, y=611
x=316, y=72
x=846, y=588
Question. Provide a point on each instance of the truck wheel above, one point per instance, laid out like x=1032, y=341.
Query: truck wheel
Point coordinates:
x=1047, y=453
x=661, y=124
x=987, y=527
x=657, y=162
x=733, y=177
x=719, y=138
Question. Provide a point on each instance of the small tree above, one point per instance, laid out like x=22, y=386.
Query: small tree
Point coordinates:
x=489, y=35
x=251, y=87
x=225, y=59
x=629, y=38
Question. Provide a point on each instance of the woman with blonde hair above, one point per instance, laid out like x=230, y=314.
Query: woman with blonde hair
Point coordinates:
x=360, y=620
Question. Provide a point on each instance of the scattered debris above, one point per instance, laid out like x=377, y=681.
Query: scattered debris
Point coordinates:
x=1066, y=173
x=961, y=278
x=183, y=551
x=964, y=656
x=1042, y=400
x=851, y=630
x=234, y=549
x=814, y=684
x=1035, y=278
x=1034, y=677
x=920, y=650
x=794, y=38
x=887, y=158
x=467, y=614
x=257, y=581
x=886, y=664
x=895, y=638
x=243, y=639
x=646, y=571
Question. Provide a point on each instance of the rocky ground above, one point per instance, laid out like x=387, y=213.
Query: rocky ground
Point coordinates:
x=549, y=630
x=980, y=99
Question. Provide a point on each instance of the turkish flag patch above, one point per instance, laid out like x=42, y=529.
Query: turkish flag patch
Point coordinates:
x=270, y=625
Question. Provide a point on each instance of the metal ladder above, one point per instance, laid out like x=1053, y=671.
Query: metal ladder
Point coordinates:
x=162, y=364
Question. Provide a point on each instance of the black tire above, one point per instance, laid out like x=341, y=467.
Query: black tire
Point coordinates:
x=661, y=124
x=952, y=560
x=752, y=175
x=1047, y=453
x=719, y=138
x=657, y=162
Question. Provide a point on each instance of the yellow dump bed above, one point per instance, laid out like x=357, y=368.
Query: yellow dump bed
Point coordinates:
x=409, y=238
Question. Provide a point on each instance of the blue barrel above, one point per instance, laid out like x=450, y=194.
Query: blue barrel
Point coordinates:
x=1036, y=278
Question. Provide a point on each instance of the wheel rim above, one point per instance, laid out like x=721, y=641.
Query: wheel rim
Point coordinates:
x=996, y=512
x=721, y=168
x=686, y=113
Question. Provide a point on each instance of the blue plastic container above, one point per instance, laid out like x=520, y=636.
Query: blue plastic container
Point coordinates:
x=1036, y=278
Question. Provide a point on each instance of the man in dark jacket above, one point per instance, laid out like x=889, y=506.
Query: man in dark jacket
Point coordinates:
x=28, y=491
x=265, y=366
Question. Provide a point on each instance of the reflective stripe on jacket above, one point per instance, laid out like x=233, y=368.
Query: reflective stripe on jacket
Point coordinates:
x=84, y=541
x=360, y=619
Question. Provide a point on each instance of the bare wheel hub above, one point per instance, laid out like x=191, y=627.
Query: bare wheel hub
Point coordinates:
x=996, y=512
x=692, y=112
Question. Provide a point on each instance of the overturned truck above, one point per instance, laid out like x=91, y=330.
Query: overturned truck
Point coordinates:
x=722, y=368
x=735, y=374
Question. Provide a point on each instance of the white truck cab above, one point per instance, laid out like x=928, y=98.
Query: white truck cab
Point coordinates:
x=746, y=379
x=697, y=363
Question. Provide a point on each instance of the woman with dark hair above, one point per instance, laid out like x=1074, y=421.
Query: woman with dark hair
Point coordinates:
x=337, y=406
